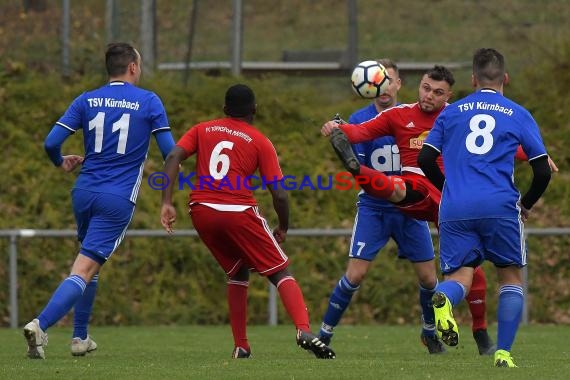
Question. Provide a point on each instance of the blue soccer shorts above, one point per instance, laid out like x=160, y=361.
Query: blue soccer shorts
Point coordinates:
x=102, y=221
x=499, y=240
x=373, y=227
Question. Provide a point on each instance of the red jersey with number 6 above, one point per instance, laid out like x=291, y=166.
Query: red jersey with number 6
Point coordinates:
x=229, y=153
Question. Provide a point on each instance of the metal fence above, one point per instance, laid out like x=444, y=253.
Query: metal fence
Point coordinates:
x=16, y=234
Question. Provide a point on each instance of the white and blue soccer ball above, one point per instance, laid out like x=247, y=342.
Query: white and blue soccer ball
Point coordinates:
x=369, y=79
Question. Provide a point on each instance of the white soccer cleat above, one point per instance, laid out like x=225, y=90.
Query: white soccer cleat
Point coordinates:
x=36, y=339
x=79, y=347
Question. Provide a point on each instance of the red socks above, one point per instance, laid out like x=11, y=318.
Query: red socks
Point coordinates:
x=237, y=302
x=477, y=299
x=294, y=303
x=376, y=183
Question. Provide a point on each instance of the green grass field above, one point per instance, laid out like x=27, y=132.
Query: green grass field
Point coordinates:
x=197, y=352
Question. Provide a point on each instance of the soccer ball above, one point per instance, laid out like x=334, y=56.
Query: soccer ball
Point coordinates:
x=369, y=79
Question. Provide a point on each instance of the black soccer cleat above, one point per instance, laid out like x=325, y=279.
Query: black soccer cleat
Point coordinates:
x=241, y=353
x=433, y=344
x=344, y=151
x=484, y=342
x=310, y=342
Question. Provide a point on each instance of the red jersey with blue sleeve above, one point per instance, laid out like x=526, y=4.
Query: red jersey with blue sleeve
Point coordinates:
x=478, y=137
x=117, y=121
x=406, y=122
x=381, y=154
x=229, y=153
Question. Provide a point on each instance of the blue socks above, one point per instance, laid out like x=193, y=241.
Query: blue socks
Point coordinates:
x=454, y=291
x=428, y=317
x=509, y=312
x=82, y=310
x=62, y=300
x=339, y=301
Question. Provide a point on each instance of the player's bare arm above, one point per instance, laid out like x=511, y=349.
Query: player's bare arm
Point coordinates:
x=281, y=207
x=171, y=167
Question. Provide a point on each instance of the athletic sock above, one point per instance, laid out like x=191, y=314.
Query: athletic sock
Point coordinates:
x=454, y=291
x=237, y=302
x=83, y=307
x=293, y=301
x=509, y=312
x=338, y=303
x=379, y=185
x=428, y=316
x=62, y=300
x=477, y=300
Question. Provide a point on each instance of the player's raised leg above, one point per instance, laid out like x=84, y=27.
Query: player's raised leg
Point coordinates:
x=294, y=303
x=448, y=294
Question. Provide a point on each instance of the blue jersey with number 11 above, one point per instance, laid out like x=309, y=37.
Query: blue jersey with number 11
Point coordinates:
x=117, y=121
x=478, y=137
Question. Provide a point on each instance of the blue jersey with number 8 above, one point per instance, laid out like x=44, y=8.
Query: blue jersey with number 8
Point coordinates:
x=478, y=137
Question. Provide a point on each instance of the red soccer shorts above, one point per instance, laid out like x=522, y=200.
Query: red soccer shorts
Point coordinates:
x=239, y=238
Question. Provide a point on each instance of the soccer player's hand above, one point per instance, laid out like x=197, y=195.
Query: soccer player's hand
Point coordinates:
x=280, y=235
x=70, y=162
x=525, y=213
x=328, y=127
x=553, y=167
x=167, y=217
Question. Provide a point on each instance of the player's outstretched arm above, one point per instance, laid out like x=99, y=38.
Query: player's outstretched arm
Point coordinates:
x=328, y=127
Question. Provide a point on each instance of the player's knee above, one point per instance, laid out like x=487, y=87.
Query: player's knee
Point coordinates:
x=398, y=190
x=349, y=286
x=427, y=281
x=356, y=278
x=276, y=277
x=242, y=274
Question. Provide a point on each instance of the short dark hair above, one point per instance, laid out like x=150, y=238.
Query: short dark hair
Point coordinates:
x=440, y=73
x=389, y=64
x=118, y=57
x=239, y=101
x=488, y=66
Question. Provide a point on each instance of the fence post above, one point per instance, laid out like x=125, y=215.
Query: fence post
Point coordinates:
x=65, y=28
x=237, y=34
x=13, y=274
x=524, y=320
